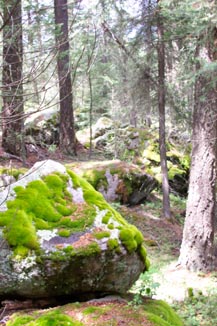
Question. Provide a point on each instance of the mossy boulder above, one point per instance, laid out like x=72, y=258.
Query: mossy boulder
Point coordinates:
x=99, y=129
x=178, y=163
x=119, y=181
x=60, y=237
x=42, y=128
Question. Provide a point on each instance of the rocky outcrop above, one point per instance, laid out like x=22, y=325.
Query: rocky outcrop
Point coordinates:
x=42, y=128
x=99, y=129
x=59, y=237
x=119, y=181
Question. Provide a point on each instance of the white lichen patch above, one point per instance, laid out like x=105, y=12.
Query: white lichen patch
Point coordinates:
x=114, y=233
x=77, y=195
x=99, y=216
x=46, y=235
x=25, y=268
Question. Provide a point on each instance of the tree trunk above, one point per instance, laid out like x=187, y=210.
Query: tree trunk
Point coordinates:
x=197, y=250
x=67, y=139
x=161, y=108
x=12, y=84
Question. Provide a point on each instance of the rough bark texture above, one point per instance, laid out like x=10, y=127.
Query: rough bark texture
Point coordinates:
x=197, y=250
x=67, y=139
x=161, y=108
x=12, y=94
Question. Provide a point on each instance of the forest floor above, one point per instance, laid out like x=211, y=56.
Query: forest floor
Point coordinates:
x=166, y=279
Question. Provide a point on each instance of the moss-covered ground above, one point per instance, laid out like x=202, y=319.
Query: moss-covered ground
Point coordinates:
x=101, y=313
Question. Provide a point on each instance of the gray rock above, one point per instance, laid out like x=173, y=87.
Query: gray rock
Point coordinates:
x=77, y=265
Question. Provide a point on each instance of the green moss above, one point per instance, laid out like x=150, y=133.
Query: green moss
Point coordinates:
x=111, y=226
x=91, y=249
x=69, y=251
x=113, y=244
x=151, y=154
x=41, y=224
x=21, y=252
x=38, y=199
x=147, y=264
x=66, y=221
x=51, y=318
x=143, y=254
x=160, y=313
x=106, y=218
x=55, y=318
x=137, y=235
x=101, y=235
x=93, y=197
x=46, y=204
x=92, y=310
x=56, y=183
x=190, y=292
x=96, y=178
x=43, y=204
x=20, y=320
x=13, y=172
x=82, y=216
x=185, y=161
x=173, y=171
x=64, y=233
x=131, y=238
x=19, y=230
x=63, y=210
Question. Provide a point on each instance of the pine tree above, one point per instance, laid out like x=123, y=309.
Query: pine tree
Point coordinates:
x=12, y=79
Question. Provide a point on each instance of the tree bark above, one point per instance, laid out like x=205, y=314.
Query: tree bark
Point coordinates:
x=197, y=249
x=67, y=139
x=161, y=108
x=12, y=93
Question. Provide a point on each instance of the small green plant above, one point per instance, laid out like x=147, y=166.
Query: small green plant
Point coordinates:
x=52, y=148
x=177, y=201
x=145, y=286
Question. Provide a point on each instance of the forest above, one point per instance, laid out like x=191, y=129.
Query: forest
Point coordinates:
x=124, y=94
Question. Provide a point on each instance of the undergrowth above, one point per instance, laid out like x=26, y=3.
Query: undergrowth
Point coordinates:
x=199, y=310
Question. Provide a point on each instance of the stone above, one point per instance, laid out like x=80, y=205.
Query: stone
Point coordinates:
x=59, y=237
x=120, y=181
x=42, y=128
x=99, y=129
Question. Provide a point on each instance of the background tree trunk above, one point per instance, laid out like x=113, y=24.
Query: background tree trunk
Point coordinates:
x=67, y=139
x=197, y=250
x=161, y=108
x=12, y=94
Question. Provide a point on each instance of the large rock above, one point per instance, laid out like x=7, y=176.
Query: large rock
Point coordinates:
x=119, y=181
x=42, y=128
x=102, y=125
x=59, y=237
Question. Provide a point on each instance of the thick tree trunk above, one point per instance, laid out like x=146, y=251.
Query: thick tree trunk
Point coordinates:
x=67, y=139
x=197, y=250
x=12, y=93
x=161, y=108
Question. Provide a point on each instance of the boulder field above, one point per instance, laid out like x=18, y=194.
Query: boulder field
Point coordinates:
x=59, y=237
